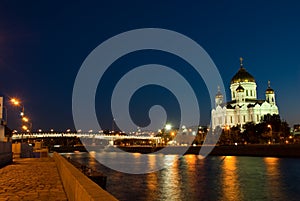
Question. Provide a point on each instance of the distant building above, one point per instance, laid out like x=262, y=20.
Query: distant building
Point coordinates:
x=244, y=106
x=296, y=129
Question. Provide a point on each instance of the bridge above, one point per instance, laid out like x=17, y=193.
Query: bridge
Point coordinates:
x=110, y=138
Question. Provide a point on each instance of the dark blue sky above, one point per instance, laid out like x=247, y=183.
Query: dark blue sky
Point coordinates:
x=43, y=44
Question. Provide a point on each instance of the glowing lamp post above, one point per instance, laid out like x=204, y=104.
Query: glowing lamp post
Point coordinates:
x=16, y=102
x=271, y=132
x=24, y=119
x=25, y=128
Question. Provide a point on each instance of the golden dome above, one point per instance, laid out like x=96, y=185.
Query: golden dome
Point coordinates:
x=269, y=89
x=242, y=75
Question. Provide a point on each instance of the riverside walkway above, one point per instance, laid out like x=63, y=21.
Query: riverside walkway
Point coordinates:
x=31, y=179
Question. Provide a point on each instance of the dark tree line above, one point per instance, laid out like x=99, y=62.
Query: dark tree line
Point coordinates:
x=270, y=130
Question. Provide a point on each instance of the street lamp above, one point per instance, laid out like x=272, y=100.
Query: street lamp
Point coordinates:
x=271, y=131
x=24, y=119
x=17, y=102
x=24, y=127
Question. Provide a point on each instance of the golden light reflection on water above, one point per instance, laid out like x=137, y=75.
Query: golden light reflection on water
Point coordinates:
x=92, y=160
x=191, y=172
x=230, y=182
x=136, y=155
x=274, y=180
x=170, y=187
x=272, y=166
x=151, y=178
x=152, y=161
x=191, y=161
x=189, y=178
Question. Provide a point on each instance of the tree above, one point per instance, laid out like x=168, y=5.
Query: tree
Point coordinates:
x=270, y=129
x=250, y=134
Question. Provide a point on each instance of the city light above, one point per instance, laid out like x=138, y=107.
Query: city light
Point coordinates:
x=25, y=119
x=168, y=127
x=15, y=101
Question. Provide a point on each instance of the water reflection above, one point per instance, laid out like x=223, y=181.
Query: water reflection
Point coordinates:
x=151, y=179
x=273, y=179
x=169, y=182
x=190, y=170
x=230, y=183
x=152, y=161
x=213, y=178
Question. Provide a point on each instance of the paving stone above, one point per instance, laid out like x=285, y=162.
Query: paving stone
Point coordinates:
x=31, y=179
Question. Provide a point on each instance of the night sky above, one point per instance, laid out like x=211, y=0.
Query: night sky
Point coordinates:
x=44, y=43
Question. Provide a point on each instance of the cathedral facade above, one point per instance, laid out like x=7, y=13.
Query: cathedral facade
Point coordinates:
x=244, y=106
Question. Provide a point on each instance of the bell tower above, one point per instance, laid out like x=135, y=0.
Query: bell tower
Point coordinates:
x=270, y=94
x=219, y=97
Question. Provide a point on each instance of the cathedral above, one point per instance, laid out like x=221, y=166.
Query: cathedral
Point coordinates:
x=244, y=106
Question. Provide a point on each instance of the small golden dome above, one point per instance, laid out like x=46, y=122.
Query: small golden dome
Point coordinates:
x=269, y=89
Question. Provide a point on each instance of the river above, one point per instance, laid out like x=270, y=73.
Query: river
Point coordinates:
x=191, y=178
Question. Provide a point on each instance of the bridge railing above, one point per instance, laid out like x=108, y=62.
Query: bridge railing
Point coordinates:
x=85, y=135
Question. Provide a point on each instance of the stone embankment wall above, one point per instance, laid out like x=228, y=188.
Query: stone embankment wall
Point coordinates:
x=5, y=153
x=79, y=187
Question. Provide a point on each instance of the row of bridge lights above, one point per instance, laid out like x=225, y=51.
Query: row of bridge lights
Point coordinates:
x=67, y=131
